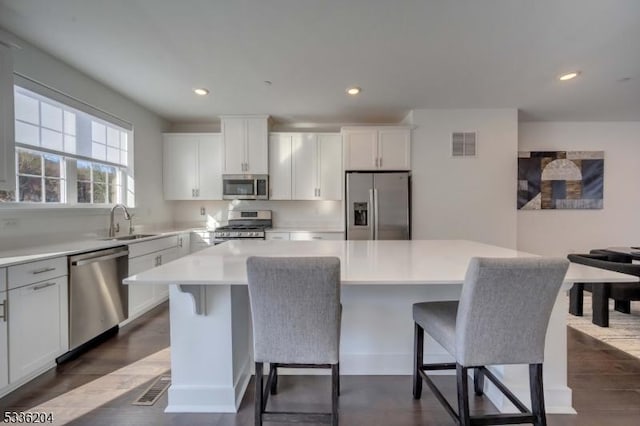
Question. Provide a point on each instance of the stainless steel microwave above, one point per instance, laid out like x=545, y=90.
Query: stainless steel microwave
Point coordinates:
x=245, y=187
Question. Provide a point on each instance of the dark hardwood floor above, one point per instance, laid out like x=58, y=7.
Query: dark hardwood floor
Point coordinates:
x=606, y=384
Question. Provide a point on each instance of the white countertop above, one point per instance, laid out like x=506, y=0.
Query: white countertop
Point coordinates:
x=30, y=254
x=411, y=262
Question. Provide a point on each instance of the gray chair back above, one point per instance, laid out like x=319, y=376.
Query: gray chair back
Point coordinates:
x=295, y=308
x=504, y=309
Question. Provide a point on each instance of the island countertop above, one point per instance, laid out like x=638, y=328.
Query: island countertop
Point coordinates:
x=411, y=262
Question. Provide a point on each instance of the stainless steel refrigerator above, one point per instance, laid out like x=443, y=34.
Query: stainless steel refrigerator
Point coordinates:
x=378, y=206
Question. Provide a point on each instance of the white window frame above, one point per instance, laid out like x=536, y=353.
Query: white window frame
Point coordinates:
x=126, y=172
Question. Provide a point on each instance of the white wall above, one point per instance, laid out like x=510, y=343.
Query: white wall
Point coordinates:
x=558, y=232
x=304, y=214
x=22, y=229
x=465, y=198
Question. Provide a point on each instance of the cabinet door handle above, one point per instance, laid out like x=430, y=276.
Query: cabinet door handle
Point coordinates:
x=380, y=162
x=5, y=310
x=318, y=192
x=41, y=286
x=180, y=242
x=316, y=238
x=43, y=270
x=159, y=260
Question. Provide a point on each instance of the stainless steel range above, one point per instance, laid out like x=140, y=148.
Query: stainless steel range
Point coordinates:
x=245, y=224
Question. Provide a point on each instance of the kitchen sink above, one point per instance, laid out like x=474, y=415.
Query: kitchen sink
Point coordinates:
x=130, y=237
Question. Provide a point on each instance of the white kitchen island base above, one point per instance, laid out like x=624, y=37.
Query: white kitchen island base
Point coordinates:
x=211, y=361
x=210, y=373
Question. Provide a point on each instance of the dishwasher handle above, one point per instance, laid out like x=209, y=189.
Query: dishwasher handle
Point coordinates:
x=99, y=258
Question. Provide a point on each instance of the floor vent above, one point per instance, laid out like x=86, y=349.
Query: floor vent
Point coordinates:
x=153, y=392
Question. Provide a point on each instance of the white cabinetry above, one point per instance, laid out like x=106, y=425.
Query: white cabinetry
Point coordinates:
x=245, y=144
x=4, y=343
x=276, y=236
x=307, y=236
x=305, y=166
x=184, y=244
x=280, y=165
x=317, y=171
x=377, y=148
x=7, y=150
x=38, y=320
x=142, y=257
x=192, y=166
x=304, y=235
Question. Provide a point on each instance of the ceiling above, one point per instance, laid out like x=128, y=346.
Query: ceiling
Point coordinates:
x=404, y=55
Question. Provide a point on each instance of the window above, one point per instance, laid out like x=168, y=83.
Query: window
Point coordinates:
x=65, y=155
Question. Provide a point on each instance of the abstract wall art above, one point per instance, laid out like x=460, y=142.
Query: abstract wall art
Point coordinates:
x=560, y=180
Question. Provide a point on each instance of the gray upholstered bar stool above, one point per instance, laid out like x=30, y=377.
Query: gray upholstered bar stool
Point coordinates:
x=295, y=308
x=501, y=318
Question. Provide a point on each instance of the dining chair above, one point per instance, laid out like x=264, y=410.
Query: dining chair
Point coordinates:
x=621, y=293
x=296, y=315
x=501, y=318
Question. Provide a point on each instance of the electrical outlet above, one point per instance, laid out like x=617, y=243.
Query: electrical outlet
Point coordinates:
x=202, y=211
x=9, y=223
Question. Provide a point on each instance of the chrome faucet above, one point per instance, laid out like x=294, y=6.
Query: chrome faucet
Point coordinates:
x=127, y=216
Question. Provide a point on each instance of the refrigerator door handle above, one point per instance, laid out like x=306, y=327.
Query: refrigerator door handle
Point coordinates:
x=373, y=213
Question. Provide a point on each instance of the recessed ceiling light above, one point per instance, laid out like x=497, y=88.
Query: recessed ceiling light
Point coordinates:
x=201, y=91
x=569, y=76
x=353, y=91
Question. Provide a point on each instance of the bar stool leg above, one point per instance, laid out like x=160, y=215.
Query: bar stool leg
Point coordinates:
x=478, y=381
x=418, y=355
x=258, y=396
x=274, y=382
x=537, y=395
x=335, y=391
x=463, y=395
x=576, y=299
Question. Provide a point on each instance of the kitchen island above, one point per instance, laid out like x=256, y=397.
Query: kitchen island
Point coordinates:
x=211, y=360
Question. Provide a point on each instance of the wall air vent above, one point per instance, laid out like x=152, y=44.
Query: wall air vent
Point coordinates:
x=463, y=144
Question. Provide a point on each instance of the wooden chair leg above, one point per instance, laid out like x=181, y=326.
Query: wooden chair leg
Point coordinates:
x=623, y=306
x=258, y=396
x=335, y=391
x=600, y=299
x=274, y=383
x=537, y=395
x=418, y=355
x=478, y=381
x=576, y=298
x=463, y=395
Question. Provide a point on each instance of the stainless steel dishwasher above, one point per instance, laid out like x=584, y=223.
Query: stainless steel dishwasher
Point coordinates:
x=98, y=301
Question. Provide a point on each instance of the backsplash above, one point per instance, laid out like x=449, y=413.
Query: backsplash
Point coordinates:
x=312, y=214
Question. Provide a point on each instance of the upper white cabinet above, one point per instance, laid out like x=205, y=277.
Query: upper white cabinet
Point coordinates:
x=305, y=166
x=7, y=149
x=192, y=166
x=316, y=167
x=280, y=165
x=377, y=148
x=245, y=144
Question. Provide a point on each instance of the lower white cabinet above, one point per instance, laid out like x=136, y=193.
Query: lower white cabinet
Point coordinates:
x=276, y=236
x=184, y=244
x=147, y=255
x=38, y=326
x=4, y=348
x=304, y=236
